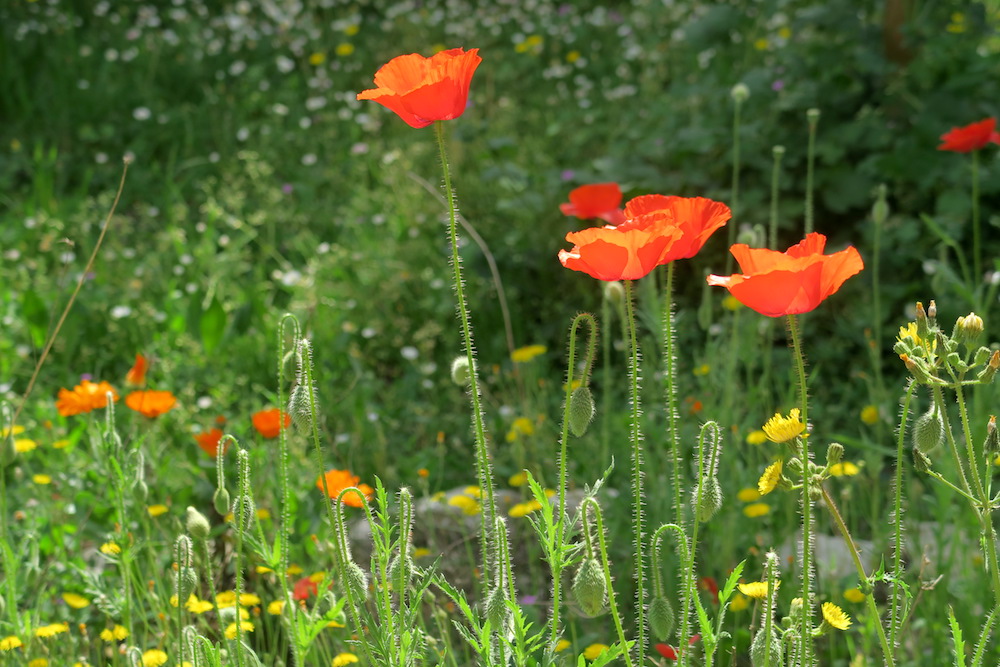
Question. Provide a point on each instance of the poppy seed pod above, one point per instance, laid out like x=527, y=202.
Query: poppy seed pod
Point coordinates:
x=197, y=524
x=581, y=410
x=661, y=618
x=740, y=93
x=220, y=499
x=928, y=433
x=589, y=587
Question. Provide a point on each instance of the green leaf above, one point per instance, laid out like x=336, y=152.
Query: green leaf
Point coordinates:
x=731, y=582
x=956, y=633
x=212, y=325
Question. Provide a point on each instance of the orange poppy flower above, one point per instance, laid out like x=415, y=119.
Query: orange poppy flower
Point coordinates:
x=84, y=397
x=626, y=252
x=599, y=200
x=338, y=480
x=151, y=403
x=209, y=442
x=786, y=283
x=697, y=217
x=136, y=375
x=971, y=137
x=422, y=90
x=268, y=422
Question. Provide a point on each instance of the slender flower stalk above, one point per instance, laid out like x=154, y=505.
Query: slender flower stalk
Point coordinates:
x=285, y=518
x=896, y=601
x=670, y=387
x=813, y=117
x=482, y=449
x=739, y=94
x=637, y=478
x=772, y=238
x=591, y=504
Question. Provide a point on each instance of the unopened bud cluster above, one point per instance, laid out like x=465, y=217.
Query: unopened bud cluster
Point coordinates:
x=936, y=359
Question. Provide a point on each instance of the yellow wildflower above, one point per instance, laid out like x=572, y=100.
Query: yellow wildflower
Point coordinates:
x=196, y=606
x=41, y=479
x=156, y=510
x=75, y=601
x=571, y=58
x=10, y=643
x=761, y=44
x=468, y=505
x=275, y=608
x=473, y=491
x=342, y=659
x=17, y=430
x=835, y=617
x=317, y=58
x=110, y=549
x=748, y=495
x=51, y=630
x=527, y=353
x=731, y=303
x=757, y=437
x=251, y=600
x=869, y=414
x=854, y=595
x=38, y=662
x=421, y=552
x=524, y=509
x=23, y=445
x=594, y=650
x=755, y=589
x=756, y=510
x=523, y=426
x=783, y=429
x=246, y=626
x=61, y=444
x=704, y=369
x=344, y=49
x=118, y=633
x=562, y=645
x=518, y=479
x=739, y=603
x=784, y=32
x=769, y=480
x=263, y=513
x=352, y=30
x=844, y=469
x=293, y=570
x=154, y=657
x=263, y=569
x=909, y=331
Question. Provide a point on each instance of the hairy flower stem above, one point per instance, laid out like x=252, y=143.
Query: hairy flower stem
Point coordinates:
x=805, y=631
x=813, y=116
x=243, y=465
x=670, y=387
x=734, y=199
x=852, y=548
x=284, y=518
x=896, y=601
x=343, y=556
x=772, y=237
x=977, y=248
x=489, y=517
x=591, y=503
x=636, y=440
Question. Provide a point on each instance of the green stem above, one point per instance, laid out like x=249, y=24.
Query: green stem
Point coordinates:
x=589, y=502
x=805, y=633
x=284, y=516
x=862, y=575
x=735, y=197
x=813, y=116
x=772, y=238
x=636, y=440
x=897, y=520
x=488, y=520
x=343, y=560
x=938, y=396
x=977, y=248
x=670, y=385
x=772, y=586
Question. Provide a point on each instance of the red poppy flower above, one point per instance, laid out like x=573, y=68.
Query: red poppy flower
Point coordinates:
x=209, y=442
x=600, y=200
x=136, y=375
x=708, y=584
x=338, y=480
x=669, y=652
x=971, y=137
x=787, y=283
x=268, y=422
x=697, y=217
x=84, y=397
x=151, y=403
x=422, y=90
x=303, y=588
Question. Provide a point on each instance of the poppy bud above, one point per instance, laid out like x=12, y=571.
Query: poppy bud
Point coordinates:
x=397, y=562
x=834, y=454
x=921, y=462
x=761, y=645
x=928, y=433
x=590, y=588
x=299, y=406
x=185, y=581
x=460, y=374
x=183, y=550
x=992, y=444
x=661, y=618
x=710, y=498
x=812, y=115
x=740, y=93
x=614, y=292
x=221, y=500
x=778, y=151
x=357, y=580
x=244, y=509
x=496, y=608
x=880, y=210
x=197, y=524
x=140, y=490
x=581, y=410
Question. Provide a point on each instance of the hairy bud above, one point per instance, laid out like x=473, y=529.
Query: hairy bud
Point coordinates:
x=581, y=410
x=834, y=454
x=589, y=587
x=710, y=498
x=761, y=645
x=928, y=433
x=220, y=499
x=661, y=618
x=197, y=524
x=740, y=93
x=460, y=374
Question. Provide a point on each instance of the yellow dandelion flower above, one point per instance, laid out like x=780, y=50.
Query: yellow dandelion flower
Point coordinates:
x=757, y=437
x=110, y=549
x=523, y=426
x=524, y=509
x=747, y=495
x=263, y=569
x=156, y=510
x=761, y=44
x=769, y=480
x=342, y=659
x=275, y=608
x=75, y=601
x=263, y=513
x=468, y=505
x=51, y=630
x=835, y=617
x=730, y=302
x=438, y=497
x=756, y=510
x=755, y=589
x=869, y=414
x=225, y=599
x=41, y=479
x=61, y=444
x=23, y=445
x=293, y=570
x=246, y=626
x=527, y=353
x=704, y=369
x=17, y=430
x=784, y=32
x=473, y=491
x=518, y=479
x=251, y=600
x=844, y=469
x=571, y=58
x=352, y=30
x=421, y=552
x=10, y=643
x=344, y=49
x=196, y=606
x=107, y=635
x=739, y=603
x=562, y=645
x=594, y=650
x=317, y=58
x=854, y=595
x=154, y=657
x=783, y=429
x=38, y=662
x=119, y=632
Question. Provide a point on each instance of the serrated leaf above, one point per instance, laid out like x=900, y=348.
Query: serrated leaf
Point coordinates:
x=731, y=582
x=956, y=634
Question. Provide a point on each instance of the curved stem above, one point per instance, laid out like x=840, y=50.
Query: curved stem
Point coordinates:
x=636, y=440
x=482, y=450
x=805, y=634
x=612, y=604
x=284, y=518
